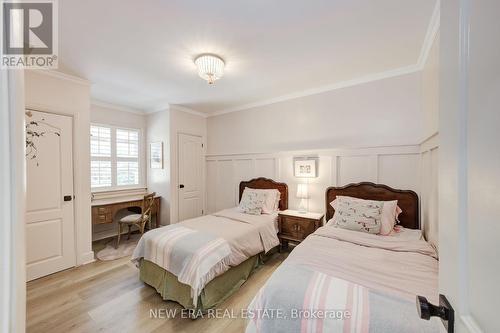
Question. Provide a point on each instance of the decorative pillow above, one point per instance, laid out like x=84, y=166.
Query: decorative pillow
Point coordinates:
x=270, y=200
x=252, y=202
x=390, y=212
x=358, y=215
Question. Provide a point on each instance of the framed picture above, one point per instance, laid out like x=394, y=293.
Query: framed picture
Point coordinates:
x=156, y=155
x=305, y=168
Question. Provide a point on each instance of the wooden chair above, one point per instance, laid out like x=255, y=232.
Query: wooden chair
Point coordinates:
x=139, y=220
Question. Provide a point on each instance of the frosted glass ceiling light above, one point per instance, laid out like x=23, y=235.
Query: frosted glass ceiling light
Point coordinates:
x=210, y=67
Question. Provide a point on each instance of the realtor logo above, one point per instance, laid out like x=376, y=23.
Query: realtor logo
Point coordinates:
x=29, y=34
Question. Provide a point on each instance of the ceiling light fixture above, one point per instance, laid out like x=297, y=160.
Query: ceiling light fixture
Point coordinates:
x=210, y=67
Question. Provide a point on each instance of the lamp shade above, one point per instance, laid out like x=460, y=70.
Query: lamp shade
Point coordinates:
x=302, y=191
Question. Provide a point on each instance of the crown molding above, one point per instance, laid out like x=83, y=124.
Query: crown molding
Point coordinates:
x=308, y=92
x=62, y=76
x=188, y=110
x=164, y=107
x=116, y=107
x=430, y=35
x=178, y=108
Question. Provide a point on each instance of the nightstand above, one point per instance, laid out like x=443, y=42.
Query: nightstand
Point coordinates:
x=295, y=227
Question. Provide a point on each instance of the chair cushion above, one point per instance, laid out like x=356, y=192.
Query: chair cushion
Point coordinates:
x=132, y=218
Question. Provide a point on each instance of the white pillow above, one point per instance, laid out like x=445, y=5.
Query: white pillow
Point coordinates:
x=358, y=215
x=252, y=202
x=271, y=197
x=390, y=212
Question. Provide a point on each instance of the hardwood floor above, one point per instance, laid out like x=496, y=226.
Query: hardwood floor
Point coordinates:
x=107, y=296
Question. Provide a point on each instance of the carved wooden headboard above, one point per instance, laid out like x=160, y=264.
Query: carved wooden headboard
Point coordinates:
x=265, y=183
x=407, y=200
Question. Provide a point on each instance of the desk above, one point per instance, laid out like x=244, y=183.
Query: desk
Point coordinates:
x=104, y=210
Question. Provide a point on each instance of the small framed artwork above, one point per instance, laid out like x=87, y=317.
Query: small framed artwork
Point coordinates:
x=156, y=155
x=305, y=168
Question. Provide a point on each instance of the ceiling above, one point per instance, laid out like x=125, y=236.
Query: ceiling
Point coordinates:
x=140, y=54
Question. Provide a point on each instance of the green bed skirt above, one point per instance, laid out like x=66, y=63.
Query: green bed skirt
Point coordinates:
x=214, y=293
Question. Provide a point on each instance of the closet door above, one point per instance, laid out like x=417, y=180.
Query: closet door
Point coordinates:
x=190, y=176
x=50, y=237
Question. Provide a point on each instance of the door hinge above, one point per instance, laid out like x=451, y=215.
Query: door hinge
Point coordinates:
x=202, y=145
x=202, y=212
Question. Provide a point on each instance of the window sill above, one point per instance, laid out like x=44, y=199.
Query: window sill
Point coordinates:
x=117, y=193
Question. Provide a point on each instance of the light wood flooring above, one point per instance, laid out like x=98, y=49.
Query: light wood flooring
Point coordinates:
x=107, y=296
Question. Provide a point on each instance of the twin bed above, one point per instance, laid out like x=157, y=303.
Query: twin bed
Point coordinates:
x=202, y=261
x=351, y=281
x=336, y=280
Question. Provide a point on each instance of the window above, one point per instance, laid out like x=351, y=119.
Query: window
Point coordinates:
x=114, y=157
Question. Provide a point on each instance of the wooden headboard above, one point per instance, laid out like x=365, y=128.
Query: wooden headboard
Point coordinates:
x=407, y=200
x=265, y=183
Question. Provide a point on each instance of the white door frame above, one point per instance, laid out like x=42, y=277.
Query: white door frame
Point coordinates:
x=13, y=189
x=176, y=172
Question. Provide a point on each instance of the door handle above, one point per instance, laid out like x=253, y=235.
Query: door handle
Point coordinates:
x=444, y=310
x=181, y=186
x=67, y=198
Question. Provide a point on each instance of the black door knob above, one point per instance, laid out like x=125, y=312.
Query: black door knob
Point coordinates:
x=68, y=198
x=444, y=310
x=181, y=186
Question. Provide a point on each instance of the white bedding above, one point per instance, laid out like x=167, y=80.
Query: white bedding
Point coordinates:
x=246, y=235
x=372, y=278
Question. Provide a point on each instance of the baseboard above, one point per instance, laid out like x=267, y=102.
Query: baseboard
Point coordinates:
x=471, y=324
x=86, y=258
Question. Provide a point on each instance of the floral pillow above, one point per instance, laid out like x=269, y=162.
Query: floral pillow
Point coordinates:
x=358, y=215
x=390, y=213
x=252, y=202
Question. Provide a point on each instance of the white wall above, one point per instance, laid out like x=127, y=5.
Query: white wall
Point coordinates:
x=430, y=91
x=158, y=180
x=117, y=117
x=62, y=94
x=187, y=123
x=378, y=113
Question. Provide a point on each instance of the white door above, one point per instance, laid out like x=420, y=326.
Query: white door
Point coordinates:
x=469, y=165
x=50, y=237
x=190, y=176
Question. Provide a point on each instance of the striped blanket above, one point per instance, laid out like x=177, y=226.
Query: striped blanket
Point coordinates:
x=322, y=303
x=187, y=253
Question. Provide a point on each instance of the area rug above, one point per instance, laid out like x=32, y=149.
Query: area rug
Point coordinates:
x=125, y=248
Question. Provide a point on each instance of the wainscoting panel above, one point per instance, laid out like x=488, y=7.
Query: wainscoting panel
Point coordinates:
x=354, y=169
x=429, y=193
x=225, y=179
x=265, y=167
x=211, y=187
x=397, y=166
x=402, y=171
x=243, y=170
